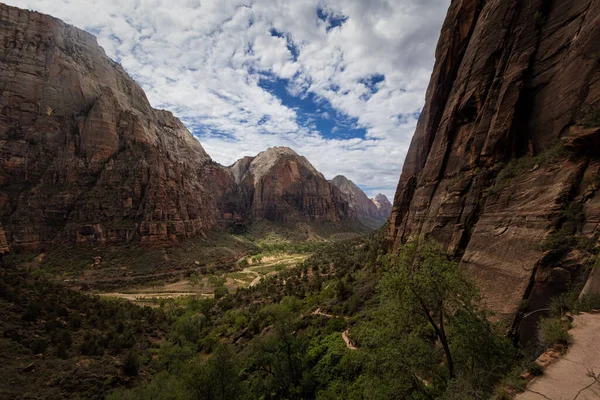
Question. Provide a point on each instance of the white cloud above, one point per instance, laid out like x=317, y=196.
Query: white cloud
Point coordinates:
x=202, y=59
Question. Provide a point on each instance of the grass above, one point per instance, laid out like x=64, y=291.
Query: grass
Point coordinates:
x=268, y=233
x=132, y=265
x=242, y=276
x=553, y=331
x=590, y=117
x=518, y=166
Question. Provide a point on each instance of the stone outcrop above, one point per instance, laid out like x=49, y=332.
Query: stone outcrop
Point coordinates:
x=83, y=156
x=279, y=185
x=371, y=212
x=507, y=144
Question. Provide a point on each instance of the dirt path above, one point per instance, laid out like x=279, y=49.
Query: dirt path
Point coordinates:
x=257, y=276
x=568, y=378
x=347, y=340
x=345, y=334
x=319, y=312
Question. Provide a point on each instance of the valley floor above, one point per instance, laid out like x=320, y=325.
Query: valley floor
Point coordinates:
x=204, y=285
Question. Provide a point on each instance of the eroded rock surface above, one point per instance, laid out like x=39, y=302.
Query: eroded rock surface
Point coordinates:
x=83, y=156
x=507, y=140
x=281, y=185
x=371, y=212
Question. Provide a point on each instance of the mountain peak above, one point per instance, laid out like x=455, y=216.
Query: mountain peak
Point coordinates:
x=382, y=198
x=371, y=212
x=280, y=150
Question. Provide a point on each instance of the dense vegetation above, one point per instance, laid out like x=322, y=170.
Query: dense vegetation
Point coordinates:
x=414, y=324
x=350, y=322
x=57, y=343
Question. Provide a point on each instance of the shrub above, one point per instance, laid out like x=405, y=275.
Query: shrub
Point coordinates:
x=566, y=302
x=131, y=364
x=220, y=292
x=589, y=302
x=590, y=117
x=38, y=346
x=32, y=312
x=61, y=351
x=518, y=166
x=512, y=380
x=552, y=331
x=535, y=369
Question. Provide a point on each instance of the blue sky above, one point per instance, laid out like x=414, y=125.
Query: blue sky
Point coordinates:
x=342, y=82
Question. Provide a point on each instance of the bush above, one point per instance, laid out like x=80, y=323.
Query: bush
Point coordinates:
x=131, y=364
x=566, y=302
x=220, y=292
x=38, y=346
x=513, y=381
x=518, y=166
x=535, y=369
x=552, y=331
x=590, y=117
x=32, y=312
x=61, y=351
x=589, y=302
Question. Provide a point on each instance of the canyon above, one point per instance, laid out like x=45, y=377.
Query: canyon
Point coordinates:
x=85, y=159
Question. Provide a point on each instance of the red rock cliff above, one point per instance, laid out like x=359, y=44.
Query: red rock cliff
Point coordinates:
x=371, y=212
x=507, y=141
x=83, y=156
x=280, y=185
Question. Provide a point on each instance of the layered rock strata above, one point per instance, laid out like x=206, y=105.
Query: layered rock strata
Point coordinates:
x=279, y=185
x=507, y=145
x=371, y=212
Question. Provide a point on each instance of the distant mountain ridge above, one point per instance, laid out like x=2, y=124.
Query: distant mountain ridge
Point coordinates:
x=280, y=185
x=373, y=213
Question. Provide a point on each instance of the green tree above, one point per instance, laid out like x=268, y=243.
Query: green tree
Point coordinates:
x=430, y=307
x=215, y=379
x=422, y=283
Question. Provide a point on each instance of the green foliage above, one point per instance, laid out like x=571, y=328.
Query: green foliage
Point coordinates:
x=590, y=117
x=407, y=315
x=42, y=317
x=552, y=331
x=163, y=386
x=131, y=364
x=220, y=292
x=518, y=166
x=426, y=301
x=589, y=302
x=512, y=380
x=561, y=304
x=564, y=237
x=535, y=369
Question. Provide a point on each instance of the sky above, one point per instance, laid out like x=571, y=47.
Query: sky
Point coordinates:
x=341, y=82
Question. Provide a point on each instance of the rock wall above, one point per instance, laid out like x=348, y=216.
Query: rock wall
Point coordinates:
x=83, y=156
x=507, y=141
x=371, y=212
x=279, y=185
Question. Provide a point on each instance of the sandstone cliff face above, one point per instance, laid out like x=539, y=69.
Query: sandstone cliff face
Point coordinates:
x=384, y=207
x=83, y=156
x=371, y=212
x=487, y=174
x=280, y=185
